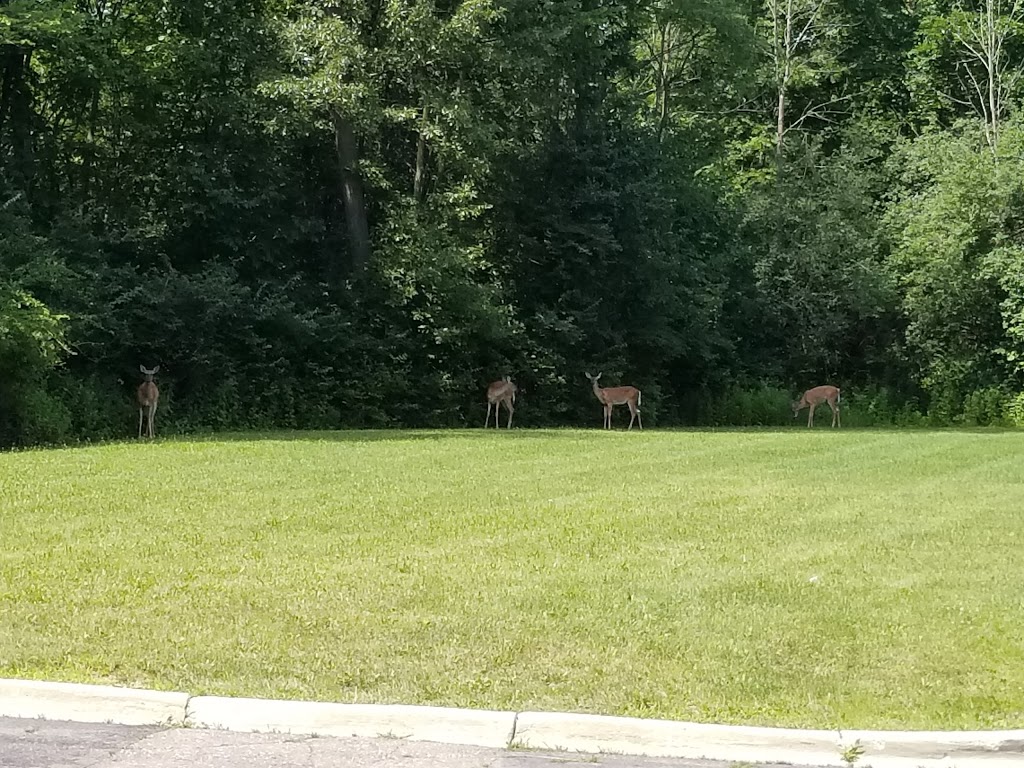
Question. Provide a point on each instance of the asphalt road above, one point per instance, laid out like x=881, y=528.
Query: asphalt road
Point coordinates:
x=52, y=744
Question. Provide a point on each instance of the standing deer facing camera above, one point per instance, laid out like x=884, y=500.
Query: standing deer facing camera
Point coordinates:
x=815, y=397
x=612, y=396
x=499, y=392
x=147, y=394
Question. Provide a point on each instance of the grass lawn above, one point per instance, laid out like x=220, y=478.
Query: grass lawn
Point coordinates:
x=820, y=578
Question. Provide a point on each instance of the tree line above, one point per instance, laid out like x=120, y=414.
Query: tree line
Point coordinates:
x=357, y=213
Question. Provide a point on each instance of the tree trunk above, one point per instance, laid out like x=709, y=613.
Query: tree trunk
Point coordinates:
x=16, y=114
x=419, y=184
x=352, y=191
x=11, y=67
x=662, y=85
x=782, y=69
x=780, y=125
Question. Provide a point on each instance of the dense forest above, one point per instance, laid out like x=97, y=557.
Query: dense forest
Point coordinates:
x=356, y=213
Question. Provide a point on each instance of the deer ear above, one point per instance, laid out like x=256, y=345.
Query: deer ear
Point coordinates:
x=142, y=368
x=157, y=369
x=588, y=375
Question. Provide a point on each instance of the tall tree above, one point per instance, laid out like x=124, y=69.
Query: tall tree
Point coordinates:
x=956, y=251
x=988, y=70
x=804, y=41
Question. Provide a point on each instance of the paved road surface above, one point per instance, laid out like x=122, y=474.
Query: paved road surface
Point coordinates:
x=51, y=744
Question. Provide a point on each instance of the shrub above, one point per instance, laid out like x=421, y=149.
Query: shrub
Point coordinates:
x=984, y=407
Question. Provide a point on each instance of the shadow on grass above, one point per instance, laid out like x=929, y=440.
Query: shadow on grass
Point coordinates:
x=521, y=433
x=549, y=433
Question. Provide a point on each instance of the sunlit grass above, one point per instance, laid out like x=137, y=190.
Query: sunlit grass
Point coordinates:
x=793, y=577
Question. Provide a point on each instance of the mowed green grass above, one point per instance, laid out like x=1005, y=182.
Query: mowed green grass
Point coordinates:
x=815, y=578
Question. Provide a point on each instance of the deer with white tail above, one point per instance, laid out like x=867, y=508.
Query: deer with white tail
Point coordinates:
x=499, y=392
x=612, y=396
x=812, y=398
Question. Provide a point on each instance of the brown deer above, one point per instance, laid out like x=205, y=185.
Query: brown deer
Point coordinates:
x=147, y=394
x=812, y=398
x=612, y=396
x=499, y=392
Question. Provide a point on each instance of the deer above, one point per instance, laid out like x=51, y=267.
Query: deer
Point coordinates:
x=498, y=392
x=609, y=397
x=814, y=397
x=147, y=394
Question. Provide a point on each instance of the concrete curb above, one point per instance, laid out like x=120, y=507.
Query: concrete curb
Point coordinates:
x=470, y=727
x=91, y=703
x=667, y=738
x=536, y=730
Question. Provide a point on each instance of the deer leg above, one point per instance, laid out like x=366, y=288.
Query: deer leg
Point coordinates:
x=835, y=414
x=632, y=416
x=487, y=418
x=140, y=423
x=810, y=415
x=152, y=418
x=639, y=420
x=511, y=410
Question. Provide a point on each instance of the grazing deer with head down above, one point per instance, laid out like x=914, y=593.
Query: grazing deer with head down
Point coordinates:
x=147, y=394
x=815, y=397
x=612, y=396
x=499, y=392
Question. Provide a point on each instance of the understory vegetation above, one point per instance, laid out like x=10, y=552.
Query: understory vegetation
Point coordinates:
x=323, y=214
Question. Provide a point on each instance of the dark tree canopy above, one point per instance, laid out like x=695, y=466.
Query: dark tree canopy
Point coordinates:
x=330, y=214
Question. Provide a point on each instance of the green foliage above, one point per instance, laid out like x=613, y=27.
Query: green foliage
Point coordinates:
x=873, y=406
x=31, y=336
x=956, y=253
x=98, y=407
x=29, y=22
x=31, y=343
x=821, y=304
x=42, y=418
x=851, y=753
x=985, y=407
x=763, y=406
x=1013, y=413
x=548, y=188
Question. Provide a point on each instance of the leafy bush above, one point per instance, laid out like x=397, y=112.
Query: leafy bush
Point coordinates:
x=985, y=407
x=98, y=407
x=31, y=343
x=736, y=406
x=1013, y=410
x=879, y=407
x=43, y=418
